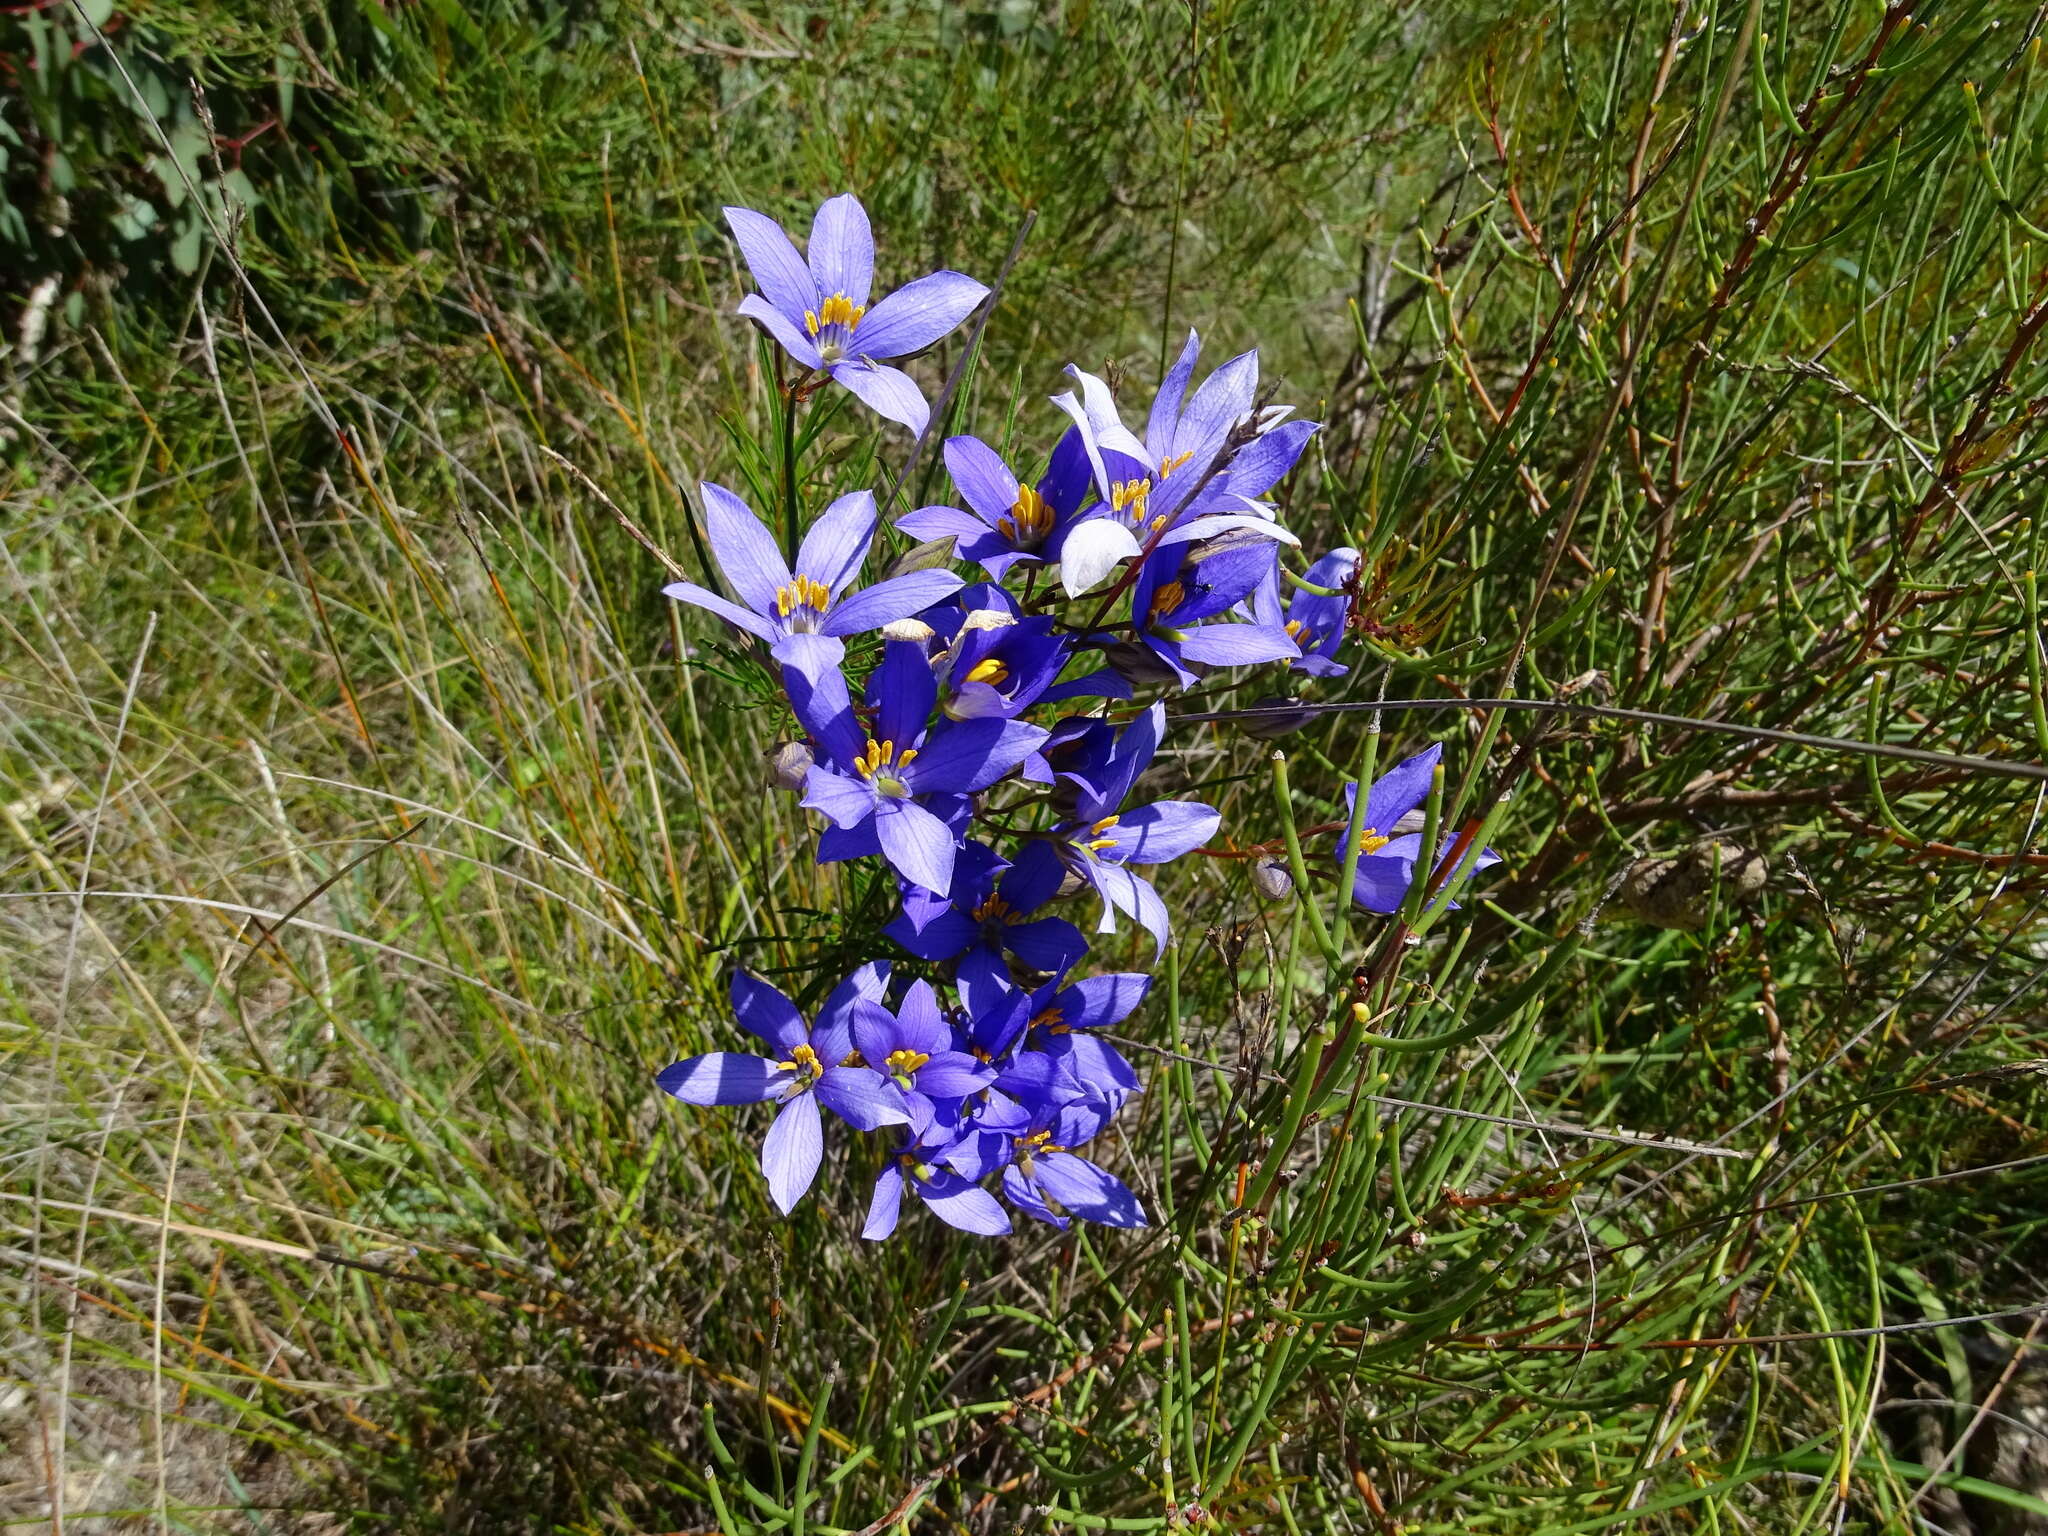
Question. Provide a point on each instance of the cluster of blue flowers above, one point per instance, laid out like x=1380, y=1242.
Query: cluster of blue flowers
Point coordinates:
x=1014, y=1074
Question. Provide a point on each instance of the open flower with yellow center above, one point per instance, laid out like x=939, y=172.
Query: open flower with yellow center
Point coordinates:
x=817, y=306
x=1032, y=1138
x=1390, y=835
x=1062, y=1019
x=807, y=1065
x=805, y=613
x=914, y=1047
x=1007, y=519
x=1317, y=621
x=994, y=909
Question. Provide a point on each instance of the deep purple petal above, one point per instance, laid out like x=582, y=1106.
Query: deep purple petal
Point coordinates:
x=889, y=392
x=953, y=1075
x=943, y=937
x=745, y=551
x=731, y=612
x=901, y=691
x=874, y=1031
x=792, y=1150
x=766, y=1013
x=966, y=756
x=1401, y=789
x=778, y=271
x=918, y=314
x=1385, y=875
x=722, y=1077
x=919, y=1024
x=916, y=843
x=831, y=1031
x=842, y=249
x=887, y=601
x=790, y=333
x=1258, y=466
x=837, y=542
x=1099, y=1000
x=1027, y=1199
x=864, y=1099
x=1050, y=944
x=886, y=1204
x=1097, y=1066
x=960, y=1204
x=1033, y=878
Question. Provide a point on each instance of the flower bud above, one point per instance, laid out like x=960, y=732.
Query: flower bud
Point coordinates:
x=1273, y=726
x=787, y=765
x=1272, y=879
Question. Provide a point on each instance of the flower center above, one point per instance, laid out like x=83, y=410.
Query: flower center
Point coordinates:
x=804, y=1062
x=1130, y=498
x=902, y=1063
x=990, y=671
x=1050, y=1021
x=1030, y=518
x=832, y=325
x=1167, y=598
x=802, y=603
x=881, y=766
x=1370, y=841
x=1097, y=841
x=994, y=910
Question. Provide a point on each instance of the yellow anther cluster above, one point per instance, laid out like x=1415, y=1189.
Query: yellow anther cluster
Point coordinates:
x=995, y=909
x=837, y=310
x=1296, y=629
x=1028, y=514
x=882, y=754
x=802, y=592
x=1050, y=1021
x=804, y=1062
x=990, y=671
x=1168, y=466
x=904, y=1062
x=1130, y=497
x=1098, y=841
x=1370, y=841
x=1167, y=598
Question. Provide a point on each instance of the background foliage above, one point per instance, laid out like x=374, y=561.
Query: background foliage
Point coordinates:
x=1694, y=343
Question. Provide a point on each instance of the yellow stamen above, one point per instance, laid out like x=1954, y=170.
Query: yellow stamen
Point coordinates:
x=1294, y=629
x=1369, y=841
x=904, y=1062
x=804, y=1062
x=995, y=909
x=1168, y=466
x=802, y=592
x=990, y=671
x=1167, y=598
x=1050, y=1021
x=837, y=310
x=1029, y=512
x=1130, y=496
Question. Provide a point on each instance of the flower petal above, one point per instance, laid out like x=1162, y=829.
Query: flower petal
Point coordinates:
x=1237, y=645
x=886, y=1204
x=888, y=392
x=1027, y=1199
x=1165, y=829
x=960, y=1204
x=1130, y=893
x=917, y=844
x=1166, y=405
x=887, y=601
x=864, y=1099
x=1224, y=399
x=1050, y=944
x=901, y=692
x=1099, y=1000
x=1092, y=1193
x=722, y=1077
x=1092, y=550
x=745, y=551
x=792, y=1150
x=763, y=1011
x=844, y=802
x=731, y=612
x=941, y=522
x=953, y=1075
x=918, y=314
x=842, y=248
x=778, y=271
x=919, y=1024
x=790, y=333
x=837, y=542
x=1102, y=422
x=981, y=476
x=967, y=756
x=831, y=1032
x=1401, y=789
x=1258, y=466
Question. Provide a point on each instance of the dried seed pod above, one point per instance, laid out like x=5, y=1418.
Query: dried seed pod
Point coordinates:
x=1676, y=892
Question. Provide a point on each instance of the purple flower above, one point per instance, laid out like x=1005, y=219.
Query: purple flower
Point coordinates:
x=1042, y=1175
x=996, y=663
x=809, y=1067
x=1104, y=839
x=1390, y=840
x=1059, y=1021
x=1009, y=521
x=921, y=1167
x=915, y=1050
x=1160, y=489
x=873, y=784
x=1316, y=623
x=1181, y=585
x=990, y=911
x=819, y=311
x=803, y=614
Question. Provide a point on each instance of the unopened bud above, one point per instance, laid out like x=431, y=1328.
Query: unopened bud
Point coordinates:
x=788, y=764
x=1283, y=720
x=1272, y=879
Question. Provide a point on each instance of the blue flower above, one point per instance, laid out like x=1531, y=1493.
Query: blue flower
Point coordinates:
x=873, y=784
x=1104, y=839
x=819, y=311
x=991, y=910
x=915, y=1050
x=1033, y=1144
x=1059, y=1020
x=808, y=1068
x=1009, y=522
x=1181, y=585
x=921, y=1166
x=1316, y=623
x=1390, y=840
x=803, y=613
